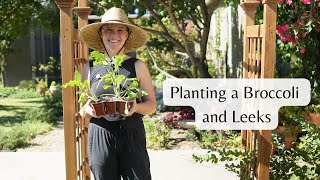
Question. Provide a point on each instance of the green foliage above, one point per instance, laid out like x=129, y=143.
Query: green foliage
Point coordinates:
x=51, y=110
x=18, y=16
x=157, y=134
x=27, y=85
x=116, y=80
x=298, y=30
x=289, y=117
x=302, y=162
x=19, y=134
x=53, y=105
x=209, y=138
x=213, y=70
x=7, y=91
x=42, y=83
x=113, y=79
x=52, y=66
x=15, y=129
x=83, y=88
x=16, y=92
x=22, y=94
x=237, y=160
x=212, y=139
x=53, y=83
x=308, y=149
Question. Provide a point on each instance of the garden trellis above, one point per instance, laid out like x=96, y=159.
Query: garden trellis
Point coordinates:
x=258, y=62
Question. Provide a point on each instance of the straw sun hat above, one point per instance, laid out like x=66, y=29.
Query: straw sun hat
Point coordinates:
x=90, y=36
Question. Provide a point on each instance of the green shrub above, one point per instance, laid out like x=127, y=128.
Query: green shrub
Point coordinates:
x=7, y=91
x=23, y=94
x=19, y=135
x=157, y=134
x=301, y=162
x=209, y=138
x=41, y=115
x=50, y=112
x=53, y=104
x=27, y=85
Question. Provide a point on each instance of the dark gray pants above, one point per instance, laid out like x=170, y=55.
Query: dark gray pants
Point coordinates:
x=118, y=149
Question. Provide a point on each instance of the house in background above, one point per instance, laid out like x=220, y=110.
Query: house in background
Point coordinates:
x=32, y=50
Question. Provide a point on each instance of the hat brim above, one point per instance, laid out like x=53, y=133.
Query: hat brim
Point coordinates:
x=89, y=35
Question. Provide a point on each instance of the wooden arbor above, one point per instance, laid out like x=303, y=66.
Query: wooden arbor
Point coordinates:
x=73, y=55
x=258, y=62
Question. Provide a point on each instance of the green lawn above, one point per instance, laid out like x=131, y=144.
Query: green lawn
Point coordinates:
x=13, y=110
x=15, y=131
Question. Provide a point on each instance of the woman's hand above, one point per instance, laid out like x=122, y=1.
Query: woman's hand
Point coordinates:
x=132, y=109
x=86, y=111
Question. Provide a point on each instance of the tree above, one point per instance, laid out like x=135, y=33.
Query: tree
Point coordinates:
x=171, y=20
x=16, y=19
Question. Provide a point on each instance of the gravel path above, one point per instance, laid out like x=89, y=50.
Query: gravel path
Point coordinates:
x=52, y=141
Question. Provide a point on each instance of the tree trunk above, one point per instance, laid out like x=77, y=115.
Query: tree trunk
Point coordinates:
x=2, y=68
x=203, y=69
x=2, y=79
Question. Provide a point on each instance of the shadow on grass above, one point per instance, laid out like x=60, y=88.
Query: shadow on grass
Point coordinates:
x=12, y=119
x=18, y=117
x=33, y=101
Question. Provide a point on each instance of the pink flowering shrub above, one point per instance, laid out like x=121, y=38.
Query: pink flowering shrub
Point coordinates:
x=298, y=36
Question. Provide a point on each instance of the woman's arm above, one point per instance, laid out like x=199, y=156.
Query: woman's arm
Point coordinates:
x=85, y=72
x=148, y=106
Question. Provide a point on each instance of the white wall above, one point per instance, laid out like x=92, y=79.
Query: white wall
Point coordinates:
x=226, y=25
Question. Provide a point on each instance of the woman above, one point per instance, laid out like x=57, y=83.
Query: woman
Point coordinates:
x=117, y=144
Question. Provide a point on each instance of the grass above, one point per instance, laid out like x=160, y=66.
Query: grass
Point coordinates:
x=13, y=110
x=15, y=130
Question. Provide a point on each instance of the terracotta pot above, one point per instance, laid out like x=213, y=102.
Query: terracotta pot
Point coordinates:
x=110, y=107
x=123, y=106
x=314, y=118
x=288, y=140
x=104, y=108
x=281, y=130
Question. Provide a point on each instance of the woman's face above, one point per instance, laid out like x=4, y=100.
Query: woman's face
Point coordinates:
x=114, y=36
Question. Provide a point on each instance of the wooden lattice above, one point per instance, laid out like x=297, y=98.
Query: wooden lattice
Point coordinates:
x=81, y=124
x=73, y=55
x=258, y=62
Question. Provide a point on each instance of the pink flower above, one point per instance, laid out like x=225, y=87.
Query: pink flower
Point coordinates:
x=304, y=34
x=285, y=27
x=283, y=39
x=302, y=50
x=298, y=36
x=295, y=24
x=289, y=37
x=319, y=4
x=280, y=1
x=281, y=29
x=289, y=2
x=306, y=1
x=301, y=21
x=318, y=30
x=294, y=42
